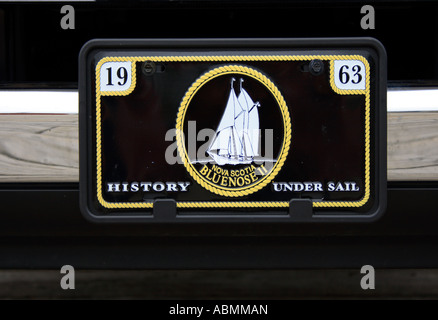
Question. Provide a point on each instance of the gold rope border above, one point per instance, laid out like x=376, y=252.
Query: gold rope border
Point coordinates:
x=239, y=58
x=191, y=92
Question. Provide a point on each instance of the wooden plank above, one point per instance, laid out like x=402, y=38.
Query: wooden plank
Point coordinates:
x=39, y=148
x=45, y=148
x=413, y=146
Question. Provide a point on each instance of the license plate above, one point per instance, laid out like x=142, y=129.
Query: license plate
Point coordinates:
x=260, y=130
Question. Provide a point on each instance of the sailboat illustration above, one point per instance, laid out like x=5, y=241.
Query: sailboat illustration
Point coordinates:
x=237, y=136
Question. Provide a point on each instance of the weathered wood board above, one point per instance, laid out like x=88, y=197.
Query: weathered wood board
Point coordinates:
x=45, y=148
x=39, y=148
x=413, y=146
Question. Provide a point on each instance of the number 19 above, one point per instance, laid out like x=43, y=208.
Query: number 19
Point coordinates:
x=122, y=75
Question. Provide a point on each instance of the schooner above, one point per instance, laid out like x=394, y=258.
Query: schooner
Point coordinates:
x=237, y=136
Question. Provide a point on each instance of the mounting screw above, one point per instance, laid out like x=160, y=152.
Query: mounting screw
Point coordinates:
x=316, y=67
x=148, y=68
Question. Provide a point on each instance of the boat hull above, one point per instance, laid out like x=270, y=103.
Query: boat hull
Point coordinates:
x=221, y=160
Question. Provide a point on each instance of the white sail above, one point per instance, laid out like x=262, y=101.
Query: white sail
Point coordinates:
x=229, y=113
x=226, y=143
x=251, y=130
x=222, y=142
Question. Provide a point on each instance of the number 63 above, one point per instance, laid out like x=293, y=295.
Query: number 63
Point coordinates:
x=354, y=75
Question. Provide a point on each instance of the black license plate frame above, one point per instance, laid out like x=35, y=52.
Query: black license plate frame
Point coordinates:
x=113, y=187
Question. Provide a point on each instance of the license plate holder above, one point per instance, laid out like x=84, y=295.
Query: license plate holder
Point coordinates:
x=237, y=130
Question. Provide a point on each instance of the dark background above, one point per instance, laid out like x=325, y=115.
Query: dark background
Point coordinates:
x=34, y=48
x=41, y=226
